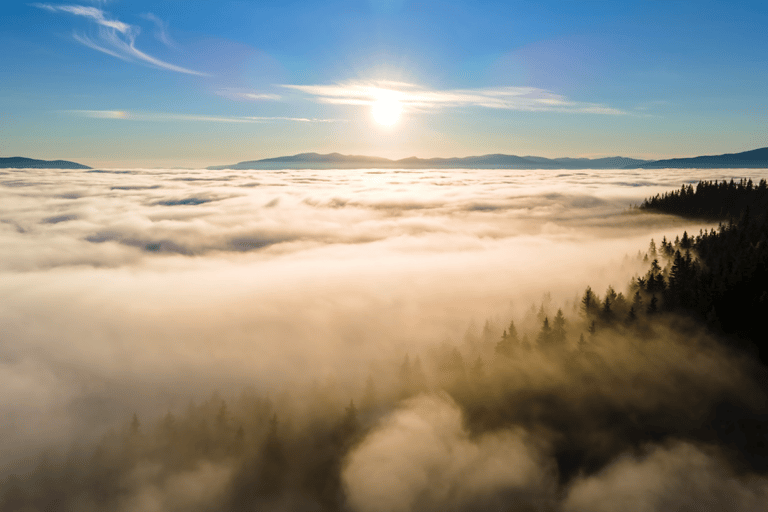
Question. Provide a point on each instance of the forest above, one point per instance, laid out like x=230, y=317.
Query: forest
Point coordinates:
x=719, y=276
x=532, y=414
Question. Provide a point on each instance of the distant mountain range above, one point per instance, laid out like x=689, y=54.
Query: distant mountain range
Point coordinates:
x=757, y=158
x=339, y=161
x=17, y=162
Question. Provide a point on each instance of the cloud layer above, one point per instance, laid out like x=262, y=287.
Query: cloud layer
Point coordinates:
x=136, y=289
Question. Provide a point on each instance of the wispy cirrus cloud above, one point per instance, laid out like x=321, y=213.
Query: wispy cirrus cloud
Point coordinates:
x=165, y=116
x=417, y=98
x=161, y=29
x=94, y=13
x=114, y=37
x=247, y=95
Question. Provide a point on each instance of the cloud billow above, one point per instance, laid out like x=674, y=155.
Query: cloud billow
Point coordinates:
x=139, y=290
x=422, y=458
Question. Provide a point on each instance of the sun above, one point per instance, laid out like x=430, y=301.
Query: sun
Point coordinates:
x=386, y=110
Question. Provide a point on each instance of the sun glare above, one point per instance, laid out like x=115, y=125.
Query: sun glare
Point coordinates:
x=386, y=110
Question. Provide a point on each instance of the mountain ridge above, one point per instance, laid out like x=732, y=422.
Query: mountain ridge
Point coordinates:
x=20, y=162
x=755, y=159
x=489, y=161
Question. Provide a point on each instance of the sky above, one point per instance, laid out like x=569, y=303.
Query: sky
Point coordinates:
x=193, y=83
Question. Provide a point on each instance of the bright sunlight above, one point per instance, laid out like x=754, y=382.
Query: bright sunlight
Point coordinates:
x=386, y=110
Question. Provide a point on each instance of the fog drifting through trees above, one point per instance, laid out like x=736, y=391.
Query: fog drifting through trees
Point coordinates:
x=356, y=340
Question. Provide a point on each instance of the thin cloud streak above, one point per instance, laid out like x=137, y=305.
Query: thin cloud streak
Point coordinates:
x=162, y=116
x=115, y=38
x=161, y=30
x=248, y=95
x=94, y=13
x=416, y=98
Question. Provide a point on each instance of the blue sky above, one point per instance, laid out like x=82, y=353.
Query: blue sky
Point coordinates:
x=179, y=83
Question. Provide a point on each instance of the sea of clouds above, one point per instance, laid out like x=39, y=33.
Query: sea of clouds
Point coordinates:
x=136, y=289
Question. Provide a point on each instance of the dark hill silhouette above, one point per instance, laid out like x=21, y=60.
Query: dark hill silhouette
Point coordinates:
x=493, y=161
x=18, y=162
x=318, y=158
x=754, y=159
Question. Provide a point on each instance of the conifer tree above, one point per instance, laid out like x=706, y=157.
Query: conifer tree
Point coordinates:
x=558, y=327
x=545, y=335
x=505, y=346
x=274, y=463
x=637, y=302
x=620, y=304
x=512, y=331
x=607, y=312
x=588, y=302
x=653, y=306
x=631, y=316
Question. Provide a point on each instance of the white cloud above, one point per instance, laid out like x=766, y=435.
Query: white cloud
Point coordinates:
x=422, y=458
x=161, y=29
x=94, y=13
x=115, y=38
x=680, y=477
x=165, y=116
x=414, y=97
x=239, y=94
x=260, y=96
x=120, y=283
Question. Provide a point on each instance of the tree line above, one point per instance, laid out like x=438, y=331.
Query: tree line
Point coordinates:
x=712, y=199
x=720, y=276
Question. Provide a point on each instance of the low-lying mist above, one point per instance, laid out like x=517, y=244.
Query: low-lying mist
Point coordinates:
x=327, y=340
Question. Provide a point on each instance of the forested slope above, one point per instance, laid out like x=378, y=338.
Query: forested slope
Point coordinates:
x=719, y=276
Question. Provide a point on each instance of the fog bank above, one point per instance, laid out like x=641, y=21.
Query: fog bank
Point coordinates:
x=139, y=290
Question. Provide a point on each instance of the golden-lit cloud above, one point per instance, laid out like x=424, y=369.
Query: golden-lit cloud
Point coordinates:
x=417, y=98
x=422, y=458
x=138, y=290
x=676, y=477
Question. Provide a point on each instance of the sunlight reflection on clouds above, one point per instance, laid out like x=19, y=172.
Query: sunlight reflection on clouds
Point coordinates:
x=175, y=280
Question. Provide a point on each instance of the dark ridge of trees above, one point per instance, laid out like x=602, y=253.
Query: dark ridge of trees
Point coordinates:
x=712, y=199
x=719, y=277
